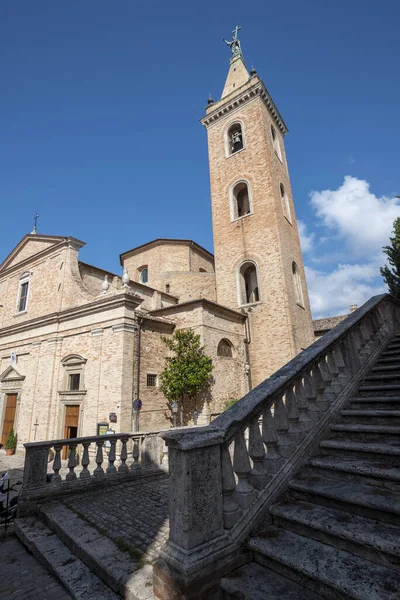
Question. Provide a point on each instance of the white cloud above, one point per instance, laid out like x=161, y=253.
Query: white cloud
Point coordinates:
x=332, y=293
x=356, y=223
x=360, y=219
x=306, y=240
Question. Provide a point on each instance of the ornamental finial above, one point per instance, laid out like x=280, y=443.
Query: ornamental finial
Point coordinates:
x=234, y=44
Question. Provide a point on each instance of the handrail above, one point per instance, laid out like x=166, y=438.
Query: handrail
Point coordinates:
x=227, y=424
x=224, y=476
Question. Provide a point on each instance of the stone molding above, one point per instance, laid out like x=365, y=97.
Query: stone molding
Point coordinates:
x=250, y=93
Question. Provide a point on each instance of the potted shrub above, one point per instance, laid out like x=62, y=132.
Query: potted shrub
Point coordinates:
x=11, y=443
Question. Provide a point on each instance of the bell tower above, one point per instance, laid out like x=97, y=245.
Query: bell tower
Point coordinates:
x=258, y=261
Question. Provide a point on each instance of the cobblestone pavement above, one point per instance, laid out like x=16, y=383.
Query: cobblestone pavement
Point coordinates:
x=22, y=577
x=136, y=513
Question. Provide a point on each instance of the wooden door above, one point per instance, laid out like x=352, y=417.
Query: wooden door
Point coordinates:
x=70, y=424
x=9, y=416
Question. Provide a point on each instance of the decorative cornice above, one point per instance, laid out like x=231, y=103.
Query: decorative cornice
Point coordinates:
x=250, y=93
x=124, y=327
x=104, y=303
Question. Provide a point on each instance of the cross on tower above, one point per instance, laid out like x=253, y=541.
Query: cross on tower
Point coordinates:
x=235, y=32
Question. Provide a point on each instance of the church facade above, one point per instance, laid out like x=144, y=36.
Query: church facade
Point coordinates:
x=78, y=345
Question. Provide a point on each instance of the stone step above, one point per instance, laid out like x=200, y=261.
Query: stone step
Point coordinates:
x=390, y=352
x=375, y=467
x=331, y=572
x=380, y=402
x=254, y=582
x=383, y=377
x=50, y=551
x=118, y=569
x=367, y=416
x=362, y=498
x=384, y=368
x=384, y=387
x=376, y=541
x=360, y=448
x=362, y=428
x=388, y=360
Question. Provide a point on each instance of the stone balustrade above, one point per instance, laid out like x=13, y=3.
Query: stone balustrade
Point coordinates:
x=224, y=477
x=88, y=462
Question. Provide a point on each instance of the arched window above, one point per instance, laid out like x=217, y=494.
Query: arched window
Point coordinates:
x=297, y=285
x=235, y=138
x=285, y=203
x=241, y=205
x=201, y=270
x=225, y=349
x=248, y=284
x=275, y=143
x=143, y=274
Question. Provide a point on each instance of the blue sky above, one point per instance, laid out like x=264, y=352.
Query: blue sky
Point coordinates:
x=100, y=107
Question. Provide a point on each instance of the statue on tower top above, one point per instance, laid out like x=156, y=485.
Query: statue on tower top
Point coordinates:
x=234, y=44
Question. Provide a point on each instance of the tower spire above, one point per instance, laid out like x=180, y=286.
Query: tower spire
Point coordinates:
x=237, y=74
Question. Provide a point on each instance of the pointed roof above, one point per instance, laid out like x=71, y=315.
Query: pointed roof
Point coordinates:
x=237, y=75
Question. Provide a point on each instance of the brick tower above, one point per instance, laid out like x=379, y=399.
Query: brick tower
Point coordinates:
x=258, y=260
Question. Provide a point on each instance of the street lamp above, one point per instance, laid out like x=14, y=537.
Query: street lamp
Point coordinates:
x=174, y=408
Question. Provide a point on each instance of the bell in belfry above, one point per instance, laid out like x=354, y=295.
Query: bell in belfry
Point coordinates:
x=236, y=140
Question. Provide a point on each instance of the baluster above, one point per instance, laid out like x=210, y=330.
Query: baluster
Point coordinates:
x=71, y=462
x=231, y=509
x=85, y=474
x=281, y=425
x=272, y=460
x=135, y=455
x=164, y=460
x=311, y=395
x=57, y=464
x=302, y=405
x=123, y=467
x=341, y=366
x=244, y=492
x=99, y=471
x=336, y=385
x=258, y=476
x=293, y=416
x=111, y=457
x=330, y=392
x=357, y=348
x=320, y=387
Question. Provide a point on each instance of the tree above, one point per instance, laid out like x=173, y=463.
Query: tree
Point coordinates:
x=391, y=275
x=188, y=370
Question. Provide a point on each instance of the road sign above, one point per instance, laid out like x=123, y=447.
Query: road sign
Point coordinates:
x=137, y=404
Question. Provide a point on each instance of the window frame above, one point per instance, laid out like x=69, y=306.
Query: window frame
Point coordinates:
x=144, y=268
x=239, y=283
x=233, y=200
x=151, y=374
x=228, y=154
x=276, y=144
x=287, y=213
x=231, y=347
x=297, y=284
x=73, y=364
x=24, y=279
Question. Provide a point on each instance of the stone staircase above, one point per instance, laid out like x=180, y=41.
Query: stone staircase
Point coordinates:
x=335, y=533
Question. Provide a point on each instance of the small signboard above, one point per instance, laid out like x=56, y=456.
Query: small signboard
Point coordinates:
x=102, y=428
x=137, y=404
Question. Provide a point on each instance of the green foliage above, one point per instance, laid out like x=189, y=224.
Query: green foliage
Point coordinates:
x=188, y=370
x=230, y=403
x=391, y=275
x=11, y=441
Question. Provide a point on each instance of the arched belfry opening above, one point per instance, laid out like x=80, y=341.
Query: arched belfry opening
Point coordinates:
x=225, y=349
x=241, y=200
x=249, y=290
x=235, y=138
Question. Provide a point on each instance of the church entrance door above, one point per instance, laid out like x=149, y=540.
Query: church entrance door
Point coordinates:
x=9, y=416
x=71, y=424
